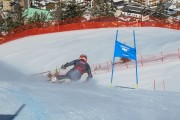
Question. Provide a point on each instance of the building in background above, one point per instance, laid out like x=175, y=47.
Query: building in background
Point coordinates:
x=152, y=3
x=30, y=12
x=24, y=3
x=6, y=5
x=1, y=4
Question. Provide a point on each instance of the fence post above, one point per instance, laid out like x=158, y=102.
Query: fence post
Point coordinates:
x=154, y=85
x=94, y=69
x=58, y=25
x=141, y=60
x=126, y=64
x=164, y=85
x=162, y=56
x=107, y=66
x=178, y=53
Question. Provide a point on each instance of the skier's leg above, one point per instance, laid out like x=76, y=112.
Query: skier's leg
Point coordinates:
x=62, y=77
x=74, y=74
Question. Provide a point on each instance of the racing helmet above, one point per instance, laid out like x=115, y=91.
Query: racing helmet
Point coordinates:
x=83, y=57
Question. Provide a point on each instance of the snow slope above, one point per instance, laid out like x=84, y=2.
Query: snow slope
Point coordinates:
x=92, y=100
x=50, y=50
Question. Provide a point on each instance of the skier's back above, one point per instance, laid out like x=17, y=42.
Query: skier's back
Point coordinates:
x=80, y=67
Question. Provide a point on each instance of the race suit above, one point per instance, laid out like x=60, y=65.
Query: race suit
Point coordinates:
x=80, y=67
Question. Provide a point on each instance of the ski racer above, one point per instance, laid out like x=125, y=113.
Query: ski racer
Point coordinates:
x=80, y=67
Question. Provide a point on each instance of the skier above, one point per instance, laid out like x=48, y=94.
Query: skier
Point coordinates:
x=80, y=67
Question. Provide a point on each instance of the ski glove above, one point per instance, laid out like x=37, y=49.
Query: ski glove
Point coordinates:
x=63, y=67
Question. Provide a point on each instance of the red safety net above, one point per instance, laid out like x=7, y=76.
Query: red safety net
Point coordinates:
x=81, y=23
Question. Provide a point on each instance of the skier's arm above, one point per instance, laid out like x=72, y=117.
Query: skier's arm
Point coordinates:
x=68, y=64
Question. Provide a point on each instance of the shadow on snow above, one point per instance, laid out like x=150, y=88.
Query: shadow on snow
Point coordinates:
x=11, y=117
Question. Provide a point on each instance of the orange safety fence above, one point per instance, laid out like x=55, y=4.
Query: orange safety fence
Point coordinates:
x=79, y=24
x=143, y=60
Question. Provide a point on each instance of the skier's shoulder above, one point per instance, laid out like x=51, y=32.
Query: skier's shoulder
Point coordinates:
x=76, y=61
x=86, y=64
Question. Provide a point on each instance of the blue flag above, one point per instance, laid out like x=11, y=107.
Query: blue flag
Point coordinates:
x=124, y=51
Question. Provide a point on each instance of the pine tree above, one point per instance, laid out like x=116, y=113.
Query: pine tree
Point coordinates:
x=59, y=13
x=67, y=9
x=3, y=25
x=103, y=8
x=73, y=10
x=160, y=11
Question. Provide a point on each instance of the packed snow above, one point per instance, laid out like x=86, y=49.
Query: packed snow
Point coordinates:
x=26, y=96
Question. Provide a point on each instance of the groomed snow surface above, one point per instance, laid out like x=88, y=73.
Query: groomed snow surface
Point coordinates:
x=25, y=96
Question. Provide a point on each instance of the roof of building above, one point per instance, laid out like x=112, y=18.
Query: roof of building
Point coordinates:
x=136, y=9
x=51, y=1
x=30, y=12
